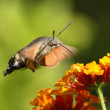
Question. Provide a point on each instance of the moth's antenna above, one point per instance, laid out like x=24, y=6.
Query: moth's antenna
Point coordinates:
x=53, y=37
x=59, y=32
x=64, y=29
x=70, y=52
x=53, y=34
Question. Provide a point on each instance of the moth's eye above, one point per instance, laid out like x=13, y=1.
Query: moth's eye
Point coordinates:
x=52, y=44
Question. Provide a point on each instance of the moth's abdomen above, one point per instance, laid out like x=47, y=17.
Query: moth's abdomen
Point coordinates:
x=31, y=51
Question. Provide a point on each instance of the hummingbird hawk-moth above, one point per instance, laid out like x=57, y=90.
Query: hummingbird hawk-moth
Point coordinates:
x=47, y=51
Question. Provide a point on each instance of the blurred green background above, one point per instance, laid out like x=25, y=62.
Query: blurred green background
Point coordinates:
x=22, y=21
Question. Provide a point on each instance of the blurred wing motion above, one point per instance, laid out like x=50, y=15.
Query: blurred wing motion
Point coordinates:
x=30, y=65
x=49, y=60
x=30, y=53
x=56, y=55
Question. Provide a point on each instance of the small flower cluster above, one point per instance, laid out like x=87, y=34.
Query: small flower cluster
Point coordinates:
x=63, y=99
x=92, y=74
x=87, y=77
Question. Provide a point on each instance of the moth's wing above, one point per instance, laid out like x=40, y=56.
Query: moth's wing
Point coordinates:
x=62, y=53
x=56, y=55
x=30, y=52
x=30, y=65
x=50, y=60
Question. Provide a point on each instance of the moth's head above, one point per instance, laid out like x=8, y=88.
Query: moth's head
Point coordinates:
x=16, y=62
x=54, y=42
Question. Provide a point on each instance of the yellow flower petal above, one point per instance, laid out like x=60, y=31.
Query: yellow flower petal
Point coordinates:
x=60, y=83
x=105, y=61
x=93, y=69
x=65, y=91
x=108, y=54
x=77, y=67
x=46, y=101
x=46, y=91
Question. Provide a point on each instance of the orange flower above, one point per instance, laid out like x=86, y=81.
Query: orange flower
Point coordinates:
x=84, y=100
x=92, y=108
x=34, y=101
x=93, y=69
x=63, y=99
x=105, y=65
x=43, y=99
x=64, y=91
x=65, y=80
x=91, y=74
x=105, y=61
x=88, y=74
x=87, y=77
x=47, y=91
x=63, y=102
x=78, y=71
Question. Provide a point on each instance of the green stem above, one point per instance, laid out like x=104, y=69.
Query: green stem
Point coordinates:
x=100, y=94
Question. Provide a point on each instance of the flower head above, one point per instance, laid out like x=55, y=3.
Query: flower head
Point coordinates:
x=65, y=80
x=84, y=100
x=105, y=65
x=93, y=69
x=87, y=77
x=63, y=100
x=43, y=99
x=92, y=74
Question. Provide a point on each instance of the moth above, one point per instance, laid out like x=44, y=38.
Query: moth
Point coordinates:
x=47, y=51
